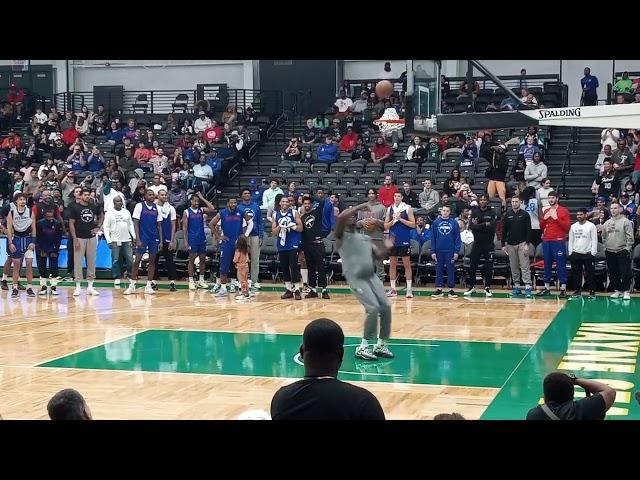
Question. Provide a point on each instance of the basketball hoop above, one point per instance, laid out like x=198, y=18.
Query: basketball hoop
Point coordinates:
x=390, y=121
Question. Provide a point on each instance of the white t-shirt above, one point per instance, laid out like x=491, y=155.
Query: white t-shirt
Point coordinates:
x=110, y=197
x=202, y=171
x=343, y=104
x=156, y=188
x=118, y=226
x=41, y=118
x=200, y=125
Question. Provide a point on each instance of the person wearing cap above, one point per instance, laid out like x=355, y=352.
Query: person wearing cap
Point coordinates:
x=628, y=207
x=202, y=122
x=497, y=173
x=555, y=223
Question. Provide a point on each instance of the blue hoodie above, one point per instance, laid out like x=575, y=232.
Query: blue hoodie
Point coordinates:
x=421, y=238
x=445, y=236
x=258, y=223
x=327, y=153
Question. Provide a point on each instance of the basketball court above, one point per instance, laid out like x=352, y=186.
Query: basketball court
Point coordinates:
x=186, y=355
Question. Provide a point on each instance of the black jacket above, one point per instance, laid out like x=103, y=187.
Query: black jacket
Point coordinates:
x=410, y=199
x=499, y=165
x=516, y=227
x=482, y=232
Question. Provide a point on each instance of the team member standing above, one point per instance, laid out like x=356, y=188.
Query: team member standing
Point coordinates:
x=21, y=231
x=254, y=239
x=168, y=247
x=483, y=225
x=313, y=246
x=195, y=238
x=516, y=231
x=445, y=245
x=555, y=224
x=48, y=239
x=617, y=235
x=287, y=227
x=230, y=220
x=119, y=232
x=583, y=246
x=400, y=221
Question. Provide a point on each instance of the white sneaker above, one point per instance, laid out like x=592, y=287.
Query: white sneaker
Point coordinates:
x=202, y=284
x=192, y=285
x=469, y=292
x=221, y=293
x=626, y=296
x=616, y=294
x=130, y=290
x=409, y=293
x=256, y=285
x=232, y=288
x=487, y=292
x=93, y=291
x=149, y=290
x=76, y=292
x=116, y=283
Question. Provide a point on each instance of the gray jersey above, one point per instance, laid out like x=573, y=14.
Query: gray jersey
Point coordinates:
x=357, y=256
x=377, y=211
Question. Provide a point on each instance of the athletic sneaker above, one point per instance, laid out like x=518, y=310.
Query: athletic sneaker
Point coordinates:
x=286, y=295
x=592, y=293
x=14, y=293
x=172, y=287
x=616, y=294
x=154, y=285
x=5, y=285
x=487, y=292
x=437, y=294
x=563, y=294
x=311, y=294
x=545, y=292
x=469, y=292
x=577, y=293
x=30, y=292
x=202, y=284
x=222, y=293
x=306, y=288
x=382, y=352
x=232, y=288
x=527, y=292
x=93, y=291
x=116, y=283
x=43, y=291
x=325, y=295
x=409, y=293
x=256, y=286
x=192, y=285
x=130, y=290
x=392, y=293
x=21, y=287
x=76, y=292
x=297, y=295
x=626, y=296
x=148, y=290
x=214, y=288
x=452, y=293
x=54, y=290
x=516, y=291
x=365, y=354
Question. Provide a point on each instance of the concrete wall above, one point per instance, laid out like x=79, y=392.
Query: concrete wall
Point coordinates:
x=366, y=69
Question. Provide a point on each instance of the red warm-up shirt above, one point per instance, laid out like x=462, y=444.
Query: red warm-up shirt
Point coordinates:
x=385, y=195
x=555, y=228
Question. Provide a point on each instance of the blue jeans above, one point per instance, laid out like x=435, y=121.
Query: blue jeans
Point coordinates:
x=121, y=255
x=555, y=250
x=445, y=259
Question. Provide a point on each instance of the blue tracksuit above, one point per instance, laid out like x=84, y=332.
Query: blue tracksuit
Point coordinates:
x=421, y=238
x=445, y=241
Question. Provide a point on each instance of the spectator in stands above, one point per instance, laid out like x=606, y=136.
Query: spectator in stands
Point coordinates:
x=463, y=90
x=589, y=84
x=15, y=97
x=606, y=153
x=130, y=129
x=428, y=198
x=349, y=141
x=230, y=116
x=627, y=207
x=496, y=173
x=527, y=98
x=202, y=122
x=320, y=395
x=68, y=121
x=422, y=232
x=292, y=151
x=11, y=141
x=617, y=236
x=607, y=182
x=469, y=154
x=308, y=157
x=99, y=121
x=187, y=129
x=142, y=154
x=445, y=86
x=610, y=136
x=159, y=162
x=328, y=151
x=535, y=172
x=177, y=196
x=248, y=117
x=622, y=161
x=82, y=126
x=213, y=133
x=387, y=191
x=409, y=196
x=361, y=151
x=542, y=193
x=343, y=103
x=529, y=149
x=361, y=104
x=310, y=134
x=40, y=117
x=624, y=85
x=320, y=123
x=68, y=404
x=96, y=161
x=115, y=134
x=416, y=151
x=453, y=183
x=269, y=195
x=204, y=173
x=336, y=129
x=381, y=151
x=559, y=403
x=128, y=163
x=630, y=189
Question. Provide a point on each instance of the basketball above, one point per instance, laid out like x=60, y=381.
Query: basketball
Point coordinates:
x=384, y=89
x=369, y=224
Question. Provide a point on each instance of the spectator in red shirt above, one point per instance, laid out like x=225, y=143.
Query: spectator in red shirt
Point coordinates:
x=15, y=97
x=381, y=152
x=349, y=141
x=13, y=140
x=386, y=192
x=70, y=135
x=143, y=154
x=213, y=133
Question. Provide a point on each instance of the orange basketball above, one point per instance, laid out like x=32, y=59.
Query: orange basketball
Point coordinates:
x=384, y=89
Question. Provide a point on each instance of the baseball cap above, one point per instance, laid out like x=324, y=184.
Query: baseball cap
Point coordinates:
x=201, y=112
x=602, y=198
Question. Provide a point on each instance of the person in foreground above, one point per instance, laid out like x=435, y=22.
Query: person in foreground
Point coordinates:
x=559, y=403
x=68, y=404
x=358, y=267
x=320, y=395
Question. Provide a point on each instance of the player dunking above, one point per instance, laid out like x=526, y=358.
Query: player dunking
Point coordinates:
x=358, y=268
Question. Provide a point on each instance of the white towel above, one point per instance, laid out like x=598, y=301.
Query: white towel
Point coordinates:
x=403, y=207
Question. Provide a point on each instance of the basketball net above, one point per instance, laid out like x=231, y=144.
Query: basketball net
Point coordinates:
x=389, y=121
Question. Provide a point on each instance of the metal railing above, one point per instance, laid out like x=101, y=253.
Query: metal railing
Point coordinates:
x=267, y=102
x=399, y=85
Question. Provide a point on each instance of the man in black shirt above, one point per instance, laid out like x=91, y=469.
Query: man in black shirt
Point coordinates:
x=313, y=246
x=84, y=223
x=559, y=403
x=409, y=196
x=483, y=226
x=320, y=395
